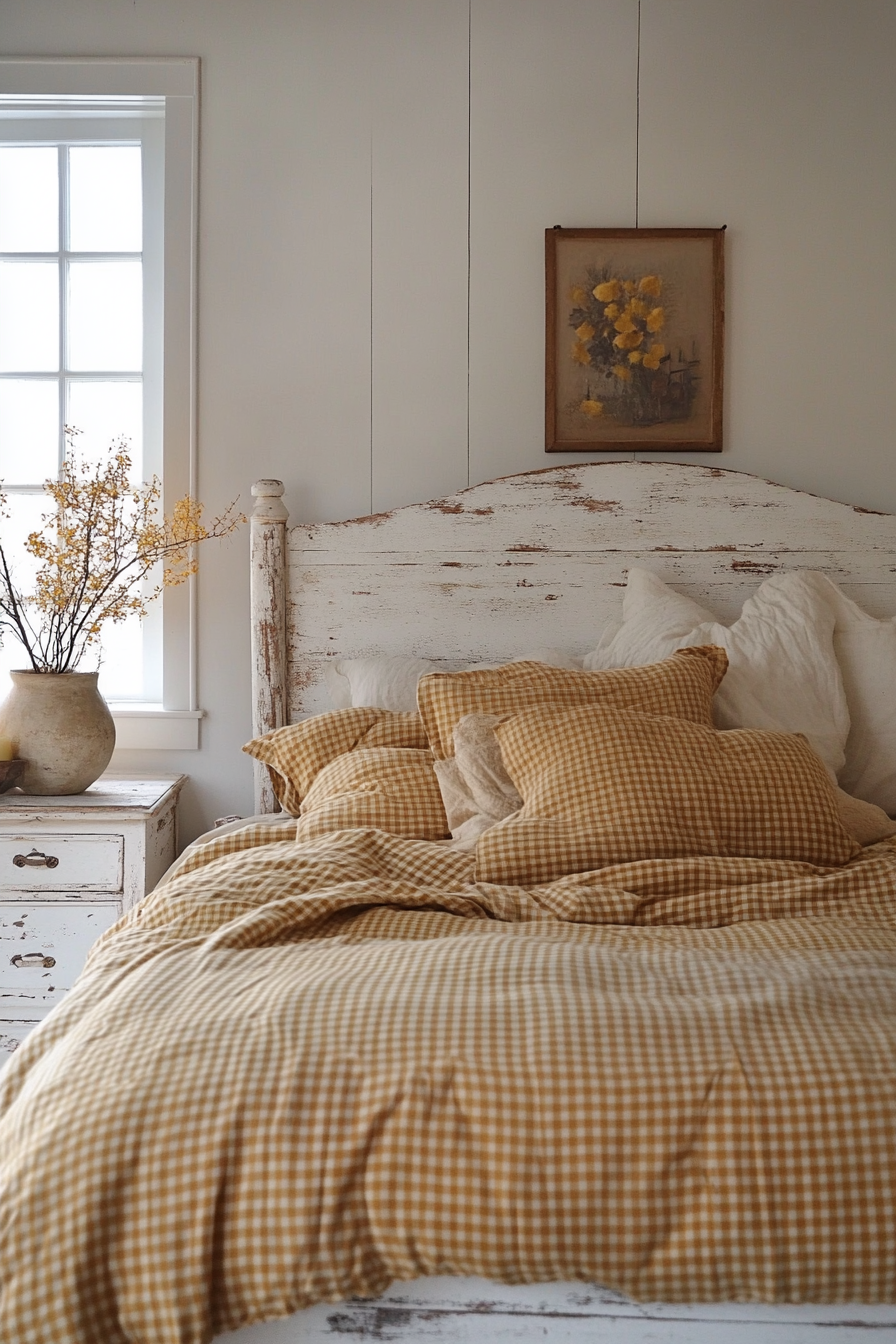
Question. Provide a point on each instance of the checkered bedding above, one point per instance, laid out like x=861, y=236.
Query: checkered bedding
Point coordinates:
x=300, y=1071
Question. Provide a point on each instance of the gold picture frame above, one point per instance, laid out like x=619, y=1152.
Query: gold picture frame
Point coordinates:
x=634, y=340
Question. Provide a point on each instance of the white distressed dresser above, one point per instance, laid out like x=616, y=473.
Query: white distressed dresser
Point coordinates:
x=69, y=866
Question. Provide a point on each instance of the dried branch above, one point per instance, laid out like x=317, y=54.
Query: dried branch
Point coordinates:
x=100, y=543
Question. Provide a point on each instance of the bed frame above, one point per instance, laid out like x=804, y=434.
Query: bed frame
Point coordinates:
x=538, y=560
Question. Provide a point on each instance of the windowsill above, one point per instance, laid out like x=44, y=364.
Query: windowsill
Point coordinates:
x=145, y=727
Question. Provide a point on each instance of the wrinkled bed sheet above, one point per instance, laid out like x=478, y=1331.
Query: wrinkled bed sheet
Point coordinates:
x=297, y=1073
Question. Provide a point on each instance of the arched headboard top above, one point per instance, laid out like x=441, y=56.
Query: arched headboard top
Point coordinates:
x=603, y=505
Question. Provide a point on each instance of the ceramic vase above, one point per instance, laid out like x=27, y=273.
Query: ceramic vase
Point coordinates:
x=61, y=726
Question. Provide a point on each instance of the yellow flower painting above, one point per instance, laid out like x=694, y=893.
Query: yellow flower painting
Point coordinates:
x=615, y=318
x=634, y=350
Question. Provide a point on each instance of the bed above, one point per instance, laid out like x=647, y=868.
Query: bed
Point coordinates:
x=427, y=1091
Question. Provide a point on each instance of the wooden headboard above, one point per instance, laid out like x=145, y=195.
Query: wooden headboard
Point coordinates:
x=531, y=560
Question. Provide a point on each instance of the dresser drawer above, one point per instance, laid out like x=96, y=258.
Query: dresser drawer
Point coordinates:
x=32, y=935
x=39, y=863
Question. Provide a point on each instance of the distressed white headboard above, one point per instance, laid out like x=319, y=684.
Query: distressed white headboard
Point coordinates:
x=535, y=559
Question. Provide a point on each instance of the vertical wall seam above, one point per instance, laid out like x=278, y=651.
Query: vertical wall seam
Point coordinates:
x=469, y=207
x=638, y=121
x=371, y=316
x=633, y=457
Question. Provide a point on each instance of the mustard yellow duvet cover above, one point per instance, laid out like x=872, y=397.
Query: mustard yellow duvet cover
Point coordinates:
x=298, y=1072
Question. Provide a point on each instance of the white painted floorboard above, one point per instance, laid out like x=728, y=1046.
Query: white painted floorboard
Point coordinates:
x=471, y=1311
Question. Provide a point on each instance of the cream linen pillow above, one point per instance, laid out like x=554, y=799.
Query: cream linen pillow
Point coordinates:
x=865, y=822
x=611, y=785
x=682, y=685
x=476, y=789
x=866, y=651
x=783, y=673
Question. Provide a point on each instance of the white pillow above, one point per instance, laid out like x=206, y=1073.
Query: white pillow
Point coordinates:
x=782, y=674
x=866, y=651
x=390, y=682
x=655, y=621
x=379, y=683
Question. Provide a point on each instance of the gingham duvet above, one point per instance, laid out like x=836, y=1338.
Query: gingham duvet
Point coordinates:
x=300, y=1071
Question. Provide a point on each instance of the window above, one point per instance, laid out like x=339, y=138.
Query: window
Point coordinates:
x=97, y=243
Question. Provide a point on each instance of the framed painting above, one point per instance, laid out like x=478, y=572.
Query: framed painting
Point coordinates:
x=634, y=340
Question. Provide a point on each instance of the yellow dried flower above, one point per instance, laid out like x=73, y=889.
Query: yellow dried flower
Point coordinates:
x=607, y=291
x=654, y=355
x=656, y=319
x=591, y=407
x=620, y=371
x=628, y=340
x=650, y=284
x=585, y=331
x=580, y=353
x=102, y=540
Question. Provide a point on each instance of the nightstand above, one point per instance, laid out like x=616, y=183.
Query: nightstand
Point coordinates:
x=69, y=866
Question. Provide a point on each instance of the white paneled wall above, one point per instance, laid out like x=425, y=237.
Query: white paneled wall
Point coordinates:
x=778, y=120
x=552, y=141
x=375, y=180
x=419, y=248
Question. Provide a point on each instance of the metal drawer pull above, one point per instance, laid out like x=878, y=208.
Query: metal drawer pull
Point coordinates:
x=36, y=860
x=32, y=959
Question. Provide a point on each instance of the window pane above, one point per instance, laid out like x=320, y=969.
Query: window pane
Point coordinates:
x=29, y=199
x=29, y=316
x=105, y=316
x=121, y=669
x=29, y=431
x=25, y=511
x=105, y=198
x=104, y=412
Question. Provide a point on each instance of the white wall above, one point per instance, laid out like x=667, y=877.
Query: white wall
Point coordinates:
x=376, y=176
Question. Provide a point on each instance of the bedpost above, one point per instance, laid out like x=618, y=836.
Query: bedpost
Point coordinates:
x=268, y=602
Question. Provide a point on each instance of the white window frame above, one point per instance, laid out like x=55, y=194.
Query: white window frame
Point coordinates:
x=172, y=724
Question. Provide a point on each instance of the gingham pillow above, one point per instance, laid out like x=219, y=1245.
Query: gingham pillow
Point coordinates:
x=603, y=786
x=392, y=789
x=480, y=793
x=682, y=686
x=295, y=754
